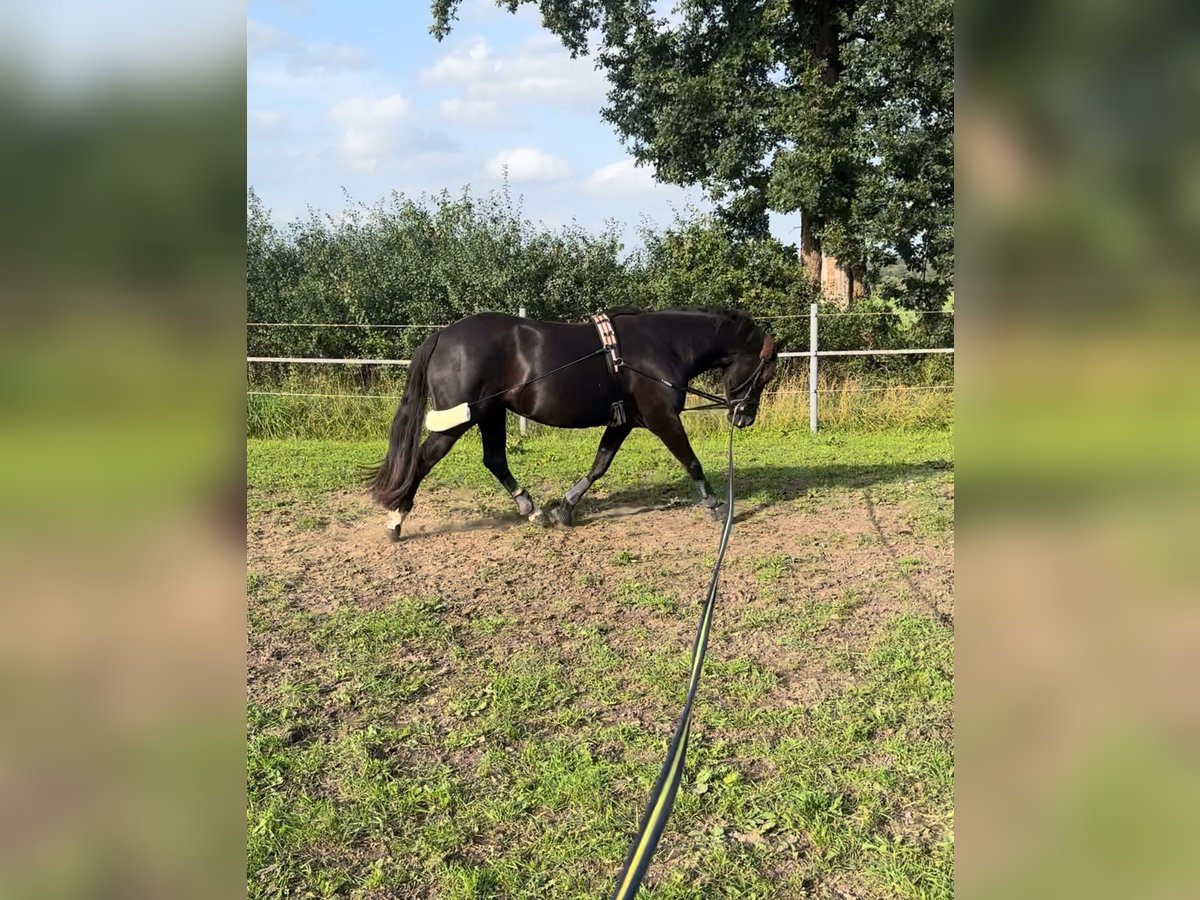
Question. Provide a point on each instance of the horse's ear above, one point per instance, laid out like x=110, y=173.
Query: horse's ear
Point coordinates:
x=768, y=347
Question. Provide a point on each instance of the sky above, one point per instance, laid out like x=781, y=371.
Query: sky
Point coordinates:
x=357, y=98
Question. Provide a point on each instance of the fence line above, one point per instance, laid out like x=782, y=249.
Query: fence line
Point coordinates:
x=841, y=390
x=908, y=351
x=813, y=354
x=331, y=396
x=886, y=312
x=865, y=390
x=331, y=325
x=312, y=360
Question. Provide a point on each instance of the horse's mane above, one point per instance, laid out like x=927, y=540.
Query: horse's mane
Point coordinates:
x=624, y=311
x=743, y=326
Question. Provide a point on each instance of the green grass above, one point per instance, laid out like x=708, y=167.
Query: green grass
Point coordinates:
x=512, y=791
x=772, y=568
x=635, y=594
x=334, y=405
x=770, y=465
x=401, y=750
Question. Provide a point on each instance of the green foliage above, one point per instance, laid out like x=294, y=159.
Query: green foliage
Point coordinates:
x=700, y=262
x=418, y=262
x=433, y=260
x=421, y=263
x=424, y=262
x=842, y=110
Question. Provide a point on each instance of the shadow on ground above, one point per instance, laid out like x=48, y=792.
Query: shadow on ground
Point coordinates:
x=762, y=486
x=774, y=484
x=767, y=485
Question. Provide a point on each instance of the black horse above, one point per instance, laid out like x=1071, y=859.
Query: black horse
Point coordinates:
x=483, y=365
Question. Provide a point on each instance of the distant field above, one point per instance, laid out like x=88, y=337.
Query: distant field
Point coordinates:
x=481, y=709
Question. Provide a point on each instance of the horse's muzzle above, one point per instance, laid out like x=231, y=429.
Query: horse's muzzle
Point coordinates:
x=741, y=418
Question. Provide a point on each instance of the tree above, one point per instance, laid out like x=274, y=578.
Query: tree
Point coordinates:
x=840, y=110
x=698, y=261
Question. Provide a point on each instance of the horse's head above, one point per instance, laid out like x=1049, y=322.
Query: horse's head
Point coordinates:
x=745, y=377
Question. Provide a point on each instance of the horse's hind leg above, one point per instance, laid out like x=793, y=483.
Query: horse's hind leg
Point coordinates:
x=435, y=446
x=495, y=458
x=610, y=443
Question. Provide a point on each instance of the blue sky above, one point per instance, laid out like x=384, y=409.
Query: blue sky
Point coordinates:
x=358, y=96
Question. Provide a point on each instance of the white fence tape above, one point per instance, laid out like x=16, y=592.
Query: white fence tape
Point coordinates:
x=811, y=354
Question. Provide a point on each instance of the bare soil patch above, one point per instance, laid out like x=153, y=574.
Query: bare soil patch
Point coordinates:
x=798, y=575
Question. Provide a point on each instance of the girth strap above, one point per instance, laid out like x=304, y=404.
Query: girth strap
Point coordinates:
x=608, y=340
x=612, y=357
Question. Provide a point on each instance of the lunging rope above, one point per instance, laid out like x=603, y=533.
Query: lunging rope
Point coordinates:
x=662, y=798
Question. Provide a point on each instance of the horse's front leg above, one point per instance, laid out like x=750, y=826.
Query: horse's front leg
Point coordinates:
x=610, y=443
x=670, y=431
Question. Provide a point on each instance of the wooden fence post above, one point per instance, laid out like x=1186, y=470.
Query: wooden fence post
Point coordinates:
x=812, y=368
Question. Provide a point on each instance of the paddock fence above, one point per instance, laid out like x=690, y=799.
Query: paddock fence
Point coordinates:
x=813, y=354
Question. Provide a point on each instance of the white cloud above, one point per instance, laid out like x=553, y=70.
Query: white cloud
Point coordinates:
x=538, y=70
x=369, y=109
x=372, y=128
x=265, y=41
x=527, y=164
x=472, y=112
x=467, y=62
x=335, y=57
x=624, y=178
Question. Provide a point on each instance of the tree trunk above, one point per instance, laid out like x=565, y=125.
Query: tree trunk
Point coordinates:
x=810, y=250
x=837, y=283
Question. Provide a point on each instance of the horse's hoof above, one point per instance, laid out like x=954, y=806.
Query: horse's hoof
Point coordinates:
x=395, y=523
x=561, y=515
x=717, y=513
x=538, y=517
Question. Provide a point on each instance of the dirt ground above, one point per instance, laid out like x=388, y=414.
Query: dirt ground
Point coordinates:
x=507, y=666
x=855, y=554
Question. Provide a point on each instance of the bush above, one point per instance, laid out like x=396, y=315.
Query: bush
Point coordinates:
x=403, y=266
x=424, y=262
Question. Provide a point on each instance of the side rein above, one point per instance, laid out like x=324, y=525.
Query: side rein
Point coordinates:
x=716, y=402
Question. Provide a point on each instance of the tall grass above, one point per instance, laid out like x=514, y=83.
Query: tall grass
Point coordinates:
x=337, y=405
x=351, y=407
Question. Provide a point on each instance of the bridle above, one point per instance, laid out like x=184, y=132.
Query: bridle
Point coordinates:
x=765, y=355
x=733, y=403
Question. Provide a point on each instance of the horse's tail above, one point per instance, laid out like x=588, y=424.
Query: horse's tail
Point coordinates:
x=392, y=480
